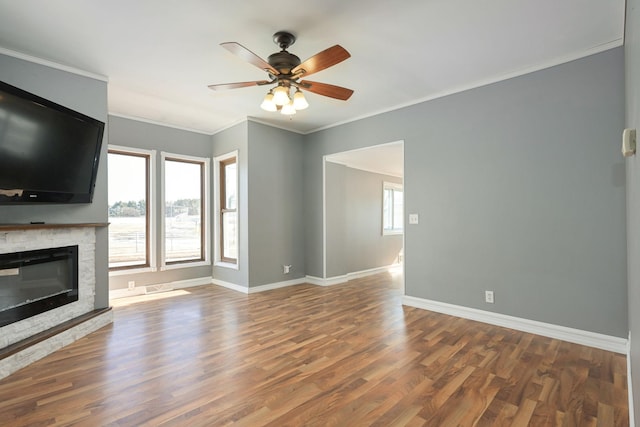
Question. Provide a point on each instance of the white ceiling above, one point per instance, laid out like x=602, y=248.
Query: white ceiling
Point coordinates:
x=160, y=55
x=386, y=159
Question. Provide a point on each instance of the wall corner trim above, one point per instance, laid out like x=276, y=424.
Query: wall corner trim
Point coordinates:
x=576, y=336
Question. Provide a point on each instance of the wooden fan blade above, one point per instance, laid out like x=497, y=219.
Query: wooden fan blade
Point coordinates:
x=225, y=86
x=250, y=57
x=337, y=92
x=322, y=60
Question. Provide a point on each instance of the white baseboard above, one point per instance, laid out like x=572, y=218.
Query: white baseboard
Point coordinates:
x=229, y=285
x=277, y=285
x=261, y=288
x=142, y=290
x=190, y=283
x=319, y=281
x=577, y=336
x=336, y=280
x=371, y=271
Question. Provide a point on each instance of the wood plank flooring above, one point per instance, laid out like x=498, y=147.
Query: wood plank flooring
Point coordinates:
x=346, y=355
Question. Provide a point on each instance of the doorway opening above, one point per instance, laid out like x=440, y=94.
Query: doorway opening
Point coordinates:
x=363, y=212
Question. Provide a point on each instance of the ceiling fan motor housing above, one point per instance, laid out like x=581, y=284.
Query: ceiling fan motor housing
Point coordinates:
x=284, y=61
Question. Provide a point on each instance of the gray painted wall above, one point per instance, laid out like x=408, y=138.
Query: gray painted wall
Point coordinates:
x=520, y=189
x=632, y=78
x=276, y=214
x=271, y=177
x=88, y=96
x=237, y=138
x=137, y=134
x=354, y=221
x=335, y=220
x=519, y=185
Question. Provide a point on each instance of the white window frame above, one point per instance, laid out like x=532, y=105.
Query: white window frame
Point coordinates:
x=205, y=217
x=151, y=179
x=395, y=187
x=216, y=231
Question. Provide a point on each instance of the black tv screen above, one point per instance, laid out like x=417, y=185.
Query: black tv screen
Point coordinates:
x=48, y=152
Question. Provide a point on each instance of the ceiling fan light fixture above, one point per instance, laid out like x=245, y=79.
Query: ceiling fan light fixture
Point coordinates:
x=285, y=71
x=299, y=101
x=288, y=109
x=267, y=103
x=281, y=95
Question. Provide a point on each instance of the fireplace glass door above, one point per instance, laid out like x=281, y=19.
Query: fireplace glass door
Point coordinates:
x=32, y=282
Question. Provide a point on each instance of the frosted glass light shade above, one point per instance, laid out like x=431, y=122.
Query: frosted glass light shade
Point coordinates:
x=288, y=109
x=267, y=103
x=299, y=101
x=281, y=95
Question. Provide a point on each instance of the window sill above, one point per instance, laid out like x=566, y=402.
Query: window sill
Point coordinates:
x=184, y=265
x=135, y=270
x=392, y=232
x=226, y=265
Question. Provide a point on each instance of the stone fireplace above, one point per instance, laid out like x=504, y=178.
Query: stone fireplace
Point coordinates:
x=61, y=304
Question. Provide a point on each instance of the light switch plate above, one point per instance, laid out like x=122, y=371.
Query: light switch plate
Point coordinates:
x=413, y=219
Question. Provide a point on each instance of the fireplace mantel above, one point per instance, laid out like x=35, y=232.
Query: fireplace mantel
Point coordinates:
x=43, y=225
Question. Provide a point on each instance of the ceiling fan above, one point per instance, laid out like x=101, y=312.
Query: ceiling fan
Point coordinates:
x=285, y=70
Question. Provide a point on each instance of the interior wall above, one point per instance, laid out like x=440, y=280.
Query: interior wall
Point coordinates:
x=632, y=79
x=276, y=216
x=270, y=208
x=224, y=142
x=137, y=134
x=520, y=189
x=335, y=219
x=89, y=96
x=353, y=206
x=519, y=185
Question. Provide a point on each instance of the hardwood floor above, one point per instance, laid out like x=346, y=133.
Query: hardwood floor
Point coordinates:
x=346, y=355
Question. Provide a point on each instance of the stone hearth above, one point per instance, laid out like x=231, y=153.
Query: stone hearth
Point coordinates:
x=23, y=238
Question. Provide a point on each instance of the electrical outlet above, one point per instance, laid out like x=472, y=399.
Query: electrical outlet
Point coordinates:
x=132, y=284
x=286, y=269
x=488, y=297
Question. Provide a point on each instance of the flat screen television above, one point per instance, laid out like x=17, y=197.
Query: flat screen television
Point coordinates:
x=48, y=152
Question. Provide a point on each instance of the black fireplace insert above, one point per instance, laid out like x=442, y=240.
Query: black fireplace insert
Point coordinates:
x=32, y=282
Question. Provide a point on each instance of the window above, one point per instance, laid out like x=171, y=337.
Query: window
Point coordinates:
x=226, y=169
x=129, y=200
x=185, y=209
x=392, y=203
x=228, y=210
